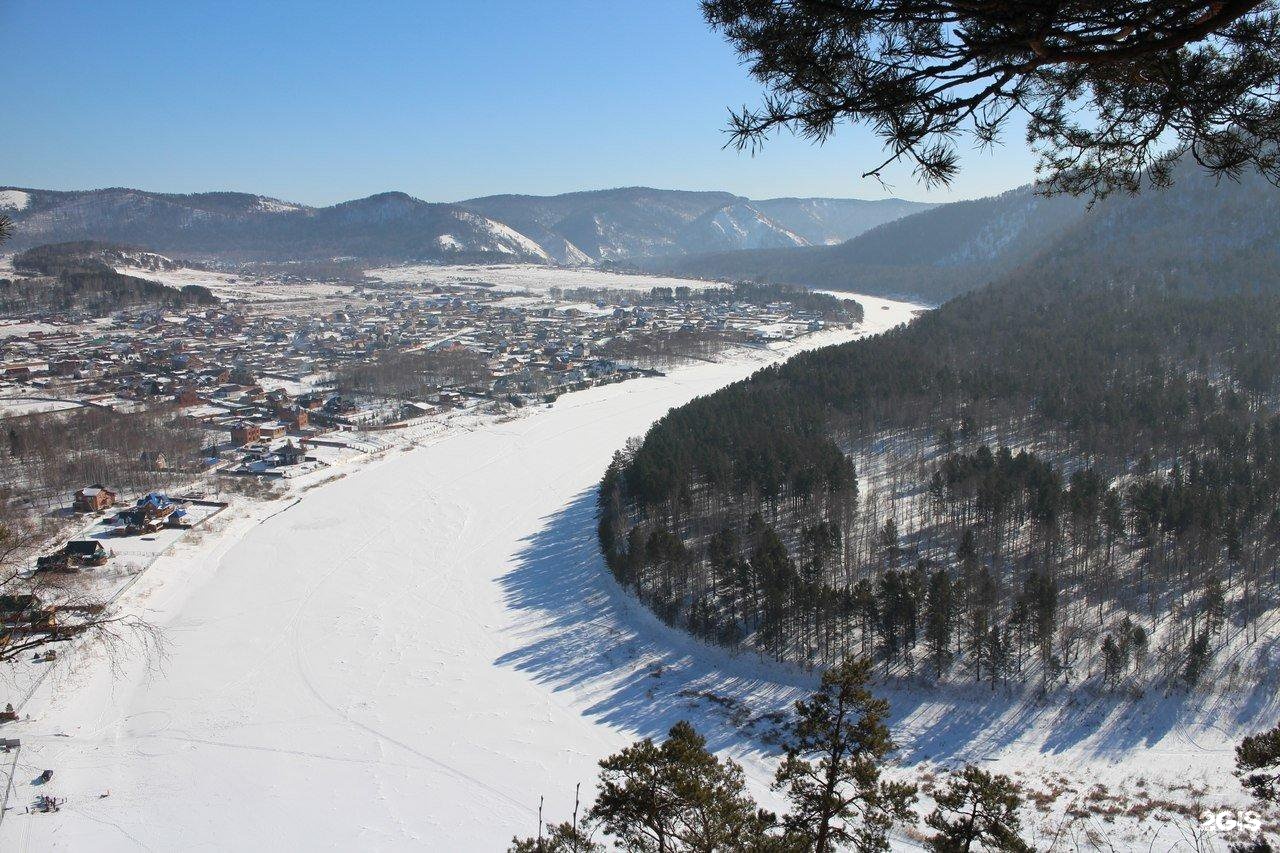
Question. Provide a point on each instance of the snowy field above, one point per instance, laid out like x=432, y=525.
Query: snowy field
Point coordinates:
x=17, y=406
x=13, y=329
x=522, y=278
x=527, y=277
x=232, y=286
x=409, y=656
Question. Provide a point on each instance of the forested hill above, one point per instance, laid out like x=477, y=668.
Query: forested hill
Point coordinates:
x=1199, y=228
x=1071, y=455
x=80, y=275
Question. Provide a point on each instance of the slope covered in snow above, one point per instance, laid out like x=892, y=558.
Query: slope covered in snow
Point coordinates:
x=14, y=199
x=738, y=226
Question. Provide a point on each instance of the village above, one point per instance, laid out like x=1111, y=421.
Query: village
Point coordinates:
x=199, y=405
x=271, y=374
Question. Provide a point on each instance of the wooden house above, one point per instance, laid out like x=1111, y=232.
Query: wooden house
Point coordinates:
x=93, y=499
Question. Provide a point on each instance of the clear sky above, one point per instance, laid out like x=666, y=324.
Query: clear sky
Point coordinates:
x=320, y=102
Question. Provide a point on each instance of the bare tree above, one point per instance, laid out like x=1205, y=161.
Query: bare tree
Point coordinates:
x=40, y=608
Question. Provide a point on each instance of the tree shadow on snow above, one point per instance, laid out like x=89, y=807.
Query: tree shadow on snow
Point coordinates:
x=580, y=634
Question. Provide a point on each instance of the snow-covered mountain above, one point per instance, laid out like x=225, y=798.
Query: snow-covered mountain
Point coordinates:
x=740, y=225
x=392, y=225
x=574, y=229
x=833, y=220
x=929, y=255
x=634, y=223
x=608, y=225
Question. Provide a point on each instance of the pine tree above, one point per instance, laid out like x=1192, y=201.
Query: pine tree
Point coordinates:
x=559, y=838
x=937, y=619
x=1258, y=765
x=1137, y=641
x=1112, y=519
x=1215, y=605
x=997, y=654
x=836, y=749
x=977, y=810
x=1112, y=666
x=675, y=797
x=1197, y=658
x=889, y=540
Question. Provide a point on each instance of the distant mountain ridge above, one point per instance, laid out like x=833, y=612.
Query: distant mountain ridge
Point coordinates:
x=385, y=226
x=1198, y=234
x=619, y=225
x=930, y=255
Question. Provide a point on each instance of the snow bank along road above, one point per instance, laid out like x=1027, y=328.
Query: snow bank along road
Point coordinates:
x=406, y=659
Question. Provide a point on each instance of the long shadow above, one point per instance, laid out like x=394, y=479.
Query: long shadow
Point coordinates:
x=580, y=634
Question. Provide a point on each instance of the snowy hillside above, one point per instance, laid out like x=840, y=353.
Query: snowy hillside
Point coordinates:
x=393, y=226
x=14, y=199
x=738, y=226
x=639, y=222
x=572, y=229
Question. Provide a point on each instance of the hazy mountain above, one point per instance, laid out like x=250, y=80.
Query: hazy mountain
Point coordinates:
x=822, y=221
x=1198, y=234
x=740, y=225
x=391, y=226
x=639, y=222
x=604, y=224
x=575, y=228
x=932, y=255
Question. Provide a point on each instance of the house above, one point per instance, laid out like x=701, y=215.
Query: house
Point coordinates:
x=243, y=432
x=187, y=397
x=13, y=606
x=93, y=498
x=273, y=429
x=87, y=552
x=296, y=416
x=21, y=615
x=151, y=513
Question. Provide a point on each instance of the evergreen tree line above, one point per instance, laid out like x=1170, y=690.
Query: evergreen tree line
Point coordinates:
x=678, y=797
x=1134, y=493
x=80, y=280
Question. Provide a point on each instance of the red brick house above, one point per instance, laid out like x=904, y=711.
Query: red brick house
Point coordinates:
x=243, y=433
x=295, y=416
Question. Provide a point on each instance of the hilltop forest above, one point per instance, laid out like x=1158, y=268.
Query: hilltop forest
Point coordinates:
x=1070, y=474
x=78, y=275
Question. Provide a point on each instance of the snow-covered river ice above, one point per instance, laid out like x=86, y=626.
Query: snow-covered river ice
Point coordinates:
x=408, y=658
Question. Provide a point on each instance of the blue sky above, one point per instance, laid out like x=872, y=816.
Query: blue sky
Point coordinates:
x=320, y=102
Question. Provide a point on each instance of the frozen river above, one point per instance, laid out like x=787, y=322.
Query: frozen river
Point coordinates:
x=405, y=659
